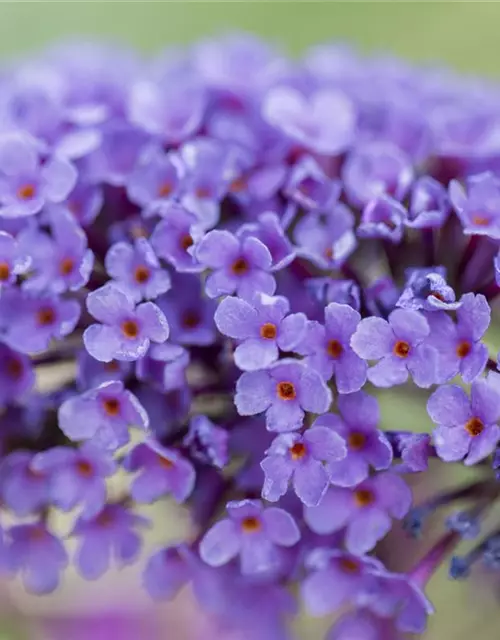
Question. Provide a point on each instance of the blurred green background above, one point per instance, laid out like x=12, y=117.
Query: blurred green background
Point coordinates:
x=464, y=35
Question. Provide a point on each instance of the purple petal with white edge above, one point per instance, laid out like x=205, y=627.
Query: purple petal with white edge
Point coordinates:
x=483, y=445
x=364, y=531
x=332, y=513
x=277, y=471
x=373, y=338
x=182, y=480
x=422, y=363
x=473, y=364
x=310, y=482
x=291, y=331
x=101, y=342
x=319, y=597
x=254, y=393
x=18, y=154
x=313, y=393
x=388, y=372
x=108, y=304
x=93, y=556
x=449, y=406
x=341, y=320
x=379, y=453
x=350, y=372
x=451, y=443
x=59, y=177
x=154, y=322
x=256, y=252
x=360, y=409
x=409, y=325
x=256, y=280
x=348, y=472
x=237, y=318
x=217, y=249
x=474, y=315
x=325, y=444
x=284, y=416
x=280, y=527
x=258, y=555
x=485, y=401
x=393, y=494
x=220, y=283
x=255, y=353
x=220, y=544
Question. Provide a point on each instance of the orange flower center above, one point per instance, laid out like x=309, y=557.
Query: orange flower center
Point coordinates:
x=401, y=349
x=251, y=524
x=142, y=274
x=14, y=368
x=66, y=267
x=112, y=366
x=474, y=427
x=363, y=497
x=202, y=192
x=26, y=192
x=298, y=451
x=356, y=440
x=238, y=185
x=481, y=220
x=186, y=241
x=165, y=190
x=286, y=390
x=111, y=406
x=130, y=329
x=437, y=295
x=4, y=272
x=191, y=319
x=45, y=316
x=240, y=267
x=268, y=331
x=165, y=463
x=463, y=349
x=334, y=349
x=349, y=565
x=84, y=468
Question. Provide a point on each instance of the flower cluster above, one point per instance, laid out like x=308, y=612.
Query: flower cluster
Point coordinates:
x=230, y=254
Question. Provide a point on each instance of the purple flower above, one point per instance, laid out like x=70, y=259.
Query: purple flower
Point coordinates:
x=310, y=187
x=103, y=415
x=374, y=169
x=207, y=442
x=59, y=263
x=284, y=391
x=363, y=625
x=75, y=476
x=23, y=489
x=366, y=511
x=126, y=331
x=166, y=573
x=262, y=327
x=427, y=289
x=137, y=270
x=459, y=345
x=239, y=265
x=110, y=534
x=12, y=260
x=30, y=323
x=325, y=290
x=336, y=578
x=26, y=184
x=38, y=555
x=155, y=179
x=400, y=347
x=429, y=204
x=415, y=451
x=308, y=121
x=190, y=314
x=478, y=206
x=252, y=533
x=328, y=351
x=84, y=203
x=17, y=376
x=466, y=428
x=366, y=443
x=382, y=217
x=171, y=111
x=326, y=238
x=92, y=372
x=174, y=235
x=164, y=366
x=269, y=230
x=306, y=459
x=163, y=471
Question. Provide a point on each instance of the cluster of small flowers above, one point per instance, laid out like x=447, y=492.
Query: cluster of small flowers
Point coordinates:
x=229, y=253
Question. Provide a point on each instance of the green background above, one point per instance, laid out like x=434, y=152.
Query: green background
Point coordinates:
x=464, y=35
